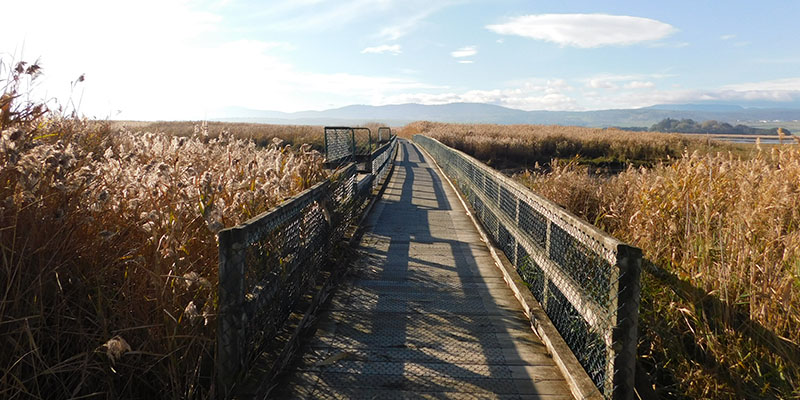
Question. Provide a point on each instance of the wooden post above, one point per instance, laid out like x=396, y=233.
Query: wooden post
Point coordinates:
x=231, y=318
x=629, y=262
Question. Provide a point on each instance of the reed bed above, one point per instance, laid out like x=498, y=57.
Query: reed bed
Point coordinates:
x=109, y=252
x=524, y=146
x=261, y=134
x=721, y=307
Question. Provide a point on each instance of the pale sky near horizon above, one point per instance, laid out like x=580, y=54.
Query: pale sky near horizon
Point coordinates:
x=184, y=59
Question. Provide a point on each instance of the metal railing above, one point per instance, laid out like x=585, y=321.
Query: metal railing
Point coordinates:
x=384, y=130
x=587, y=282
x=340, y=144
x=380, y=160
x=268, y=262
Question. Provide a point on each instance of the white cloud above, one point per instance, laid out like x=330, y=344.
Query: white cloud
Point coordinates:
x=559, y=95
x=639, y=85
x=782, y=90
x=627, y=81
x=786, y=84
x=585, y=30
x=466, y=51
x=466, y=62
x=384, y=48
x=727, y=37
x=524, y=95
x=601, y=84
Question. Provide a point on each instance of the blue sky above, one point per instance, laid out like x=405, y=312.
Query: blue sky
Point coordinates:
x=164, y=59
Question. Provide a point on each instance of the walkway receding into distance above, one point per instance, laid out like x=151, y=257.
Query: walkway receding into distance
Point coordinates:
x=427, y=313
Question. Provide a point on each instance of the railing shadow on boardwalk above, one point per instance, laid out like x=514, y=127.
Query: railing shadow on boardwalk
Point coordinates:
x=467, y=337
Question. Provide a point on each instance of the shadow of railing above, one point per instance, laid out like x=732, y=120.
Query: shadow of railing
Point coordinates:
x=728, y=322
x=719, y=314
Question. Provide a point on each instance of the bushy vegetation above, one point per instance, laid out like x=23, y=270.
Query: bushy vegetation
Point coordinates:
x=108, y=248
x=714, y=127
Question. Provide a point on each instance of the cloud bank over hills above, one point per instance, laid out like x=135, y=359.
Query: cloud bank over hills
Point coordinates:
x=399, y=114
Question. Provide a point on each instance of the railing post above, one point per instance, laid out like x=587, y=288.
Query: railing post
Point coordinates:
x=629, y=262
x=231, y=323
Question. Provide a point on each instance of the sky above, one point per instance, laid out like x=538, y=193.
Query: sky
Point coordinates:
x=187, y=59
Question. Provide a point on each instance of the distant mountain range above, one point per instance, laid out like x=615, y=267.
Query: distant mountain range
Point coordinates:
x=401, y=114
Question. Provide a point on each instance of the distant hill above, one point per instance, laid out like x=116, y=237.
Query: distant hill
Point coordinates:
x=400, y=114
x=698, y=107
x=714, y=127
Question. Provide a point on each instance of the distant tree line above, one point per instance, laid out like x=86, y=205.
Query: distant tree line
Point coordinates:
x=714, y=127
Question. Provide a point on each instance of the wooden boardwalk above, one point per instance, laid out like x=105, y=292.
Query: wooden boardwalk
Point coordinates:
x=428, y=314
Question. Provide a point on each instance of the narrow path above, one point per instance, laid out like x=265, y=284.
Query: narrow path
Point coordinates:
x=428, y=314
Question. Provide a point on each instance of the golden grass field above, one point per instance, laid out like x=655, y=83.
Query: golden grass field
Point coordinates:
x=720, y=223
x=109, y=252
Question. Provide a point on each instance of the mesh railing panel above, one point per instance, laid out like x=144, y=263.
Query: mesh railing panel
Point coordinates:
x=339, y=144
x=381, y=160
x=363, y=141
x=268, y=262
x=586, y=281
x=384, y=134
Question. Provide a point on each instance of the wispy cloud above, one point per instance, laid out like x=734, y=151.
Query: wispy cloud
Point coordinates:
x=466, y=61
x=639, y=85
x=524, y=95
x=466, y=51
x=728, y=37
x=601, y=84
x=320, y=15
x=626, y=81
x=384, y=48
x=785, y=84
x=409, y=22
x=585, y=30
x=669, y=45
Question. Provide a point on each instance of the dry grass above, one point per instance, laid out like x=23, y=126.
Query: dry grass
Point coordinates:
x=109, y=253
x=524, y=146
x=729, y=231
x=262, y=134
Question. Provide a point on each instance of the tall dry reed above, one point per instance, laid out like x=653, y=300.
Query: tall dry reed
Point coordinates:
x=109, y=253
x=729, y=230
x=523, y=146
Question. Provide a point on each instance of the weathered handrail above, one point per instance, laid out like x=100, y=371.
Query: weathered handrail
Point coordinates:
x=267, y=263
x=587, y=282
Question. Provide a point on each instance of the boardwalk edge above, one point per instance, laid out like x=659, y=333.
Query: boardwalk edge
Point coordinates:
x=579, y=382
